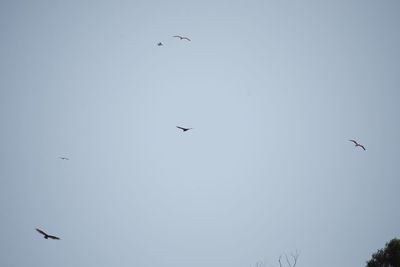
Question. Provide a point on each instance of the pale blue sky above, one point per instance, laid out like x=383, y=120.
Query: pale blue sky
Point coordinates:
x=273, y=90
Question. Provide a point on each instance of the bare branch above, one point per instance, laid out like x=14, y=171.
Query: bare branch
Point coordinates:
x=295, y=257
x=291, y=261
x=287, y=260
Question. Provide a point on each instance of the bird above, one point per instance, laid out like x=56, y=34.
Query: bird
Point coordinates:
x=357, y=144
x=184, y=129
x=182, y=37
x=46, y=236
x=64, y=158
x=160, y=44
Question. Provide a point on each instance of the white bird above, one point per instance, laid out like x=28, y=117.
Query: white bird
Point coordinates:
x=357, y=144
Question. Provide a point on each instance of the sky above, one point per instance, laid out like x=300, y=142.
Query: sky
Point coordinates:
x=273, y=91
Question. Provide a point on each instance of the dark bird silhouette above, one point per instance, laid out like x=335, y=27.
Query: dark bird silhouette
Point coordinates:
x=184, y=129
x=46, y=236
x=64, y=158
x=182, y=37
x=357, y=144
x=160, y=44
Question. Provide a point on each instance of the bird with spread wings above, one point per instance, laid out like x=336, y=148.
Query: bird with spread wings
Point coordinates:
x=184, y=129
x=357, y=144
x=47, y=236
x=182, y=37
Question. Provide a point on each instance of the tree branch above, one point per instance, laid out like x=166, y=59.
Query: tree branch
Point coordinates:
x=295, y=257
x=287, y=260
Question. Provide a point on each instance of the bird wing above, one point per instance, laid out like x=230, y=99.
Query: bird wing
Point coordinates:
x=54, y=237
x=40, y=231
x=354, y=141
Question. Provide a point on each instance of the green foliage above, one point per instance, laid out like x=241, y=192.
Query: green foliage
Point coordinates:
x=388, y=256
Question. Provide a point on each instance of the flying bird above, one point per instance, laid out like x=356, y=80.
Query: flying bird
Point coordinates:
x=46, y=236
x=64, y=158
x=160, y=44
x=357, y=144
x=182, y=37
x=184, y=129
